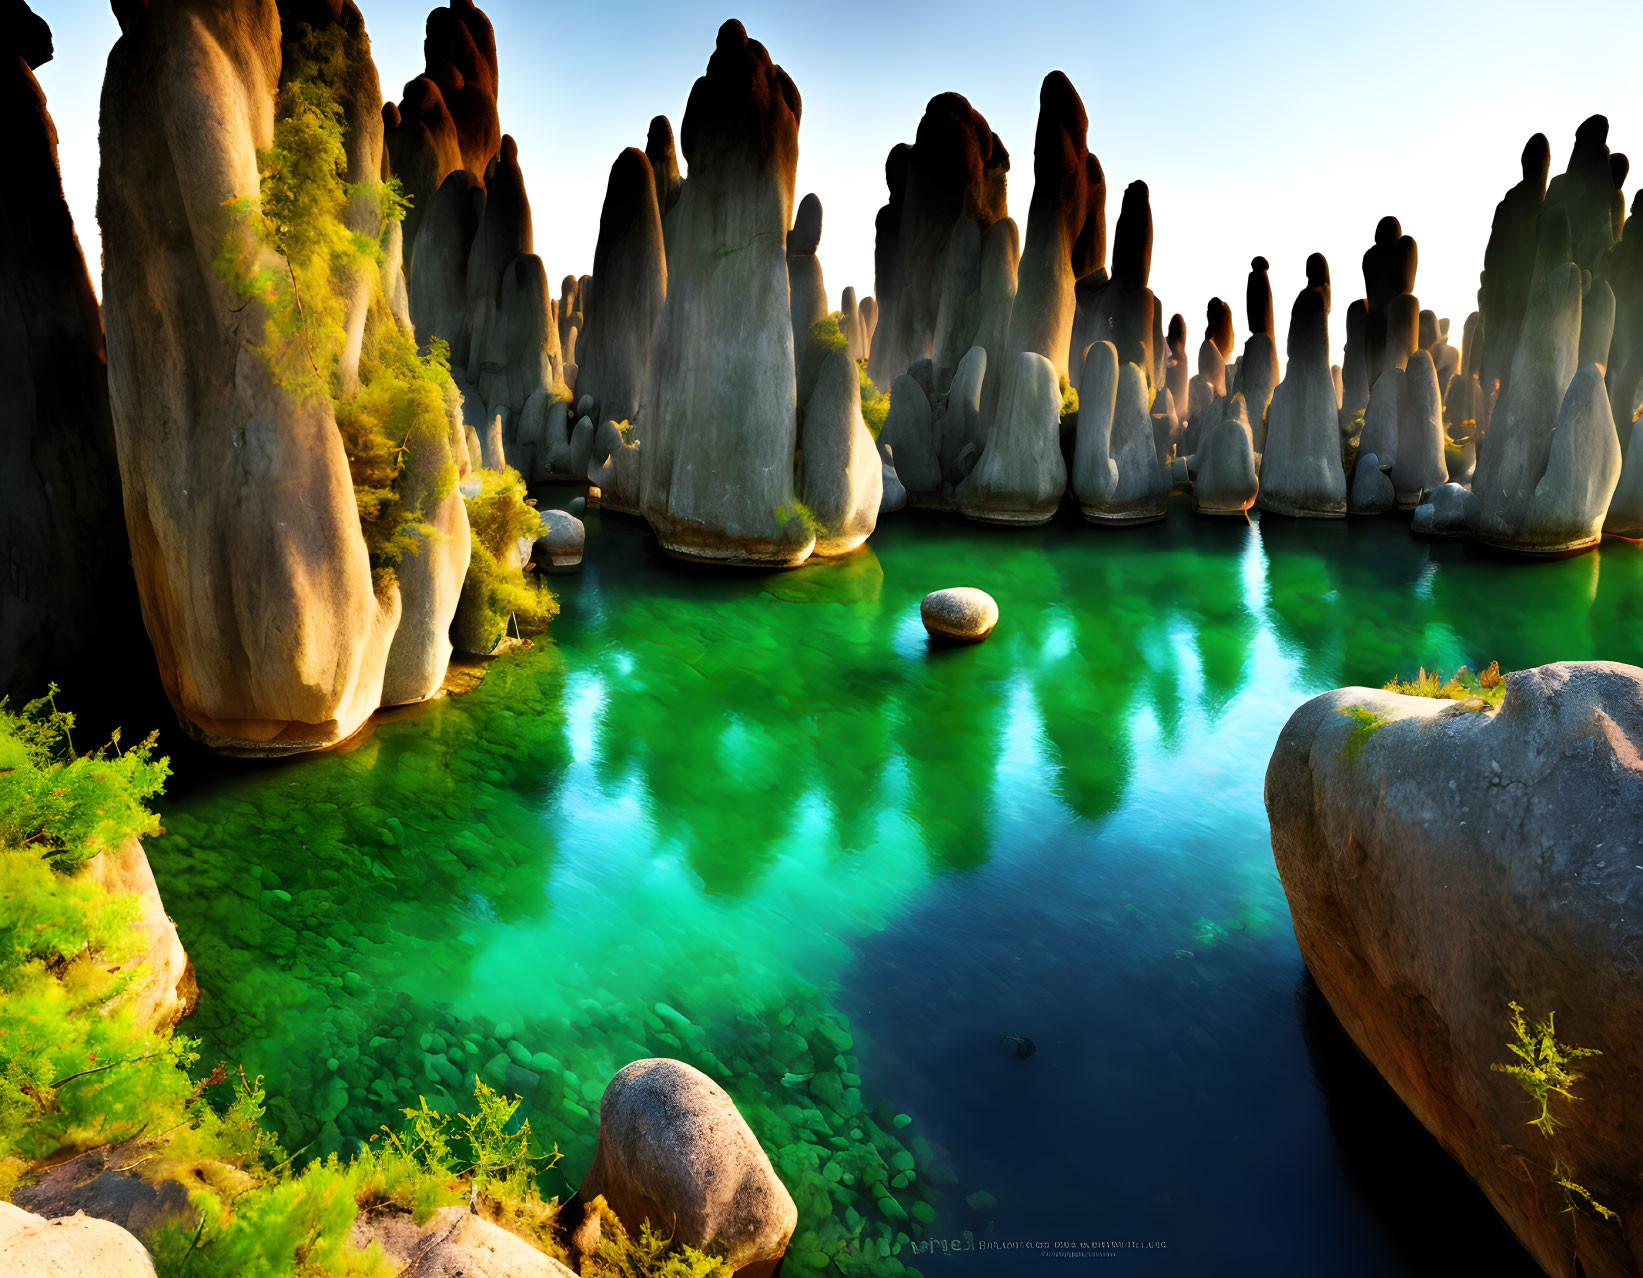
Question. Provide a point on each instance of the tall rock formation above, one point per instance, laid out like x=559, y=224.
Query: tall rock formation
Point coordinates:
x=66, y=588
x=1301, y=471
x=631, y=267
x=721, y=405
x=955, y=170
x=271, y=625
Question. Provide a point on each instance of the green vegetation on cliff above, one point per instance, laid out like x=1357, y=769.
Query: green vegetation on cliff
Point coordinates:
x=496, y=595
x=309, y=250
x=1488, y=687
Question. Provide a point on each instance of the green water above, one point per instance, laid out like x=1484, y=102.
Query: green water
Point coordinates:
x=757, y=823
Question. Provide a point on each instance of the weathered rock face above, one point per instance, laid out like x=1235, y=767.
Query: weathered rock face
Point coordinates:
x=251, y=566
x=1121, y=309
x=1418, y=463
x=66, y=590
x=1066, y=238
x=1623, y=271
x=909, y=433
x=664, y=163
x=1449, y=511
x=167, y=991
x=1450, y=861
x=721, y=417
x=438, y=281
x=807, y=293
x=955, y=171
x=1021, y=474
x=630, y=264
x=1509, y=265
x=674, y=1151
x=1116, y=473
x=453, y=1243
x=843, y=473
x=1371, y=492
x=1226, y=481
x=559, y=548
x=1585, y=191
x=447, y=118
x=1301, y=471
x=33, y=1247
x=1512, y=457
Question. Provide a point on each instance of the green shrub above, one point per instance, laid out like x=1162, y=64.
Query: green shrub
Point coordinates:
x=65, y=805
x=827, y=337
x=650, y=1255
x=496, y=595
x=875, y=405
x=1069, y=399
x=1542, y=1070
x=1366, y=724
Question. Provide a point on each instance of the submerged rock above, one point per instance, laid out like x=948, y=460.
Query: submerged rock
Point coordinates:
x=1372, y=492
x=1443, y=862
x=673, y=1150
x=1450, y=510
x=960, y=613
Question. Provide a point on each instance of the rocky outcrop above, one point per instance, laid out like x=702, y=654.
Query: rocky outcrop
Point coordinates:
x=807, y=294
x=166, y=991
x=1021, y=474
x=1225, y=482
x=954, y=172
x=1550, y=461
x=843, y=475
x=453, y=1243
x=1509, y=266
x=1587, y=191
x=719, y=434
x=1449, y=511
x=1301, y=471
x=1443, y=861
x=33, y=1247
x=446, y=119
x=1116, y=473
x=1121, y=309
x=673, y=1150
x=1418, y=463
x=1258, y=369
x=66, y=589
x=613, y=349
x=1066, y=240
x=270, y=632
x=559, y=548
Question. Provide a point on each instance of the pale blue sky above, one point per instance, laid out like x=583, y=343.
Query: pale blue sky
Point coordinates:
x=1275, y=128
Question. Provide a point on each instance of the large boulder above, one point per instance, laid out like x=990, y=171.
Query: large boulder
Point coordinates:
x=673, y=1150
x=71, y=1247
x=1443, y=861
x=66, y=592
x=720, y=428
x=1226, y=482
x=1509, y=268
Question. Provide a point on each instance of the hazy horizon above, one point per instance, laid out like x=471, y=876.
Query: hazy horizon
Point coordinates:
x=1283, y=133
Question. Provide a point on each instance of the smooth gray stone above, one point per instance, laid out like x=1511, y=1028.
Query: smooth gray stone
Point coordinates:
x=1449, y=511
x=1021, y=475
x=1418, y=464
x=1226, y=482
x=908, y=431
x=843, y=480
x=1372, y=492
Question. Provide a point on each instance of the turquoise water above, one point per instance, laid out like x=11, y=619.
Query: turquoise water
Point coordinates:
x=758, y=823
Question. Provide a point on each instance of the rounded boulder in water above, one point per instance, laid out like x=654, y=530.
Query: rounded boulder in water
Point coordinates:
x=959, y=614
x=559, y=548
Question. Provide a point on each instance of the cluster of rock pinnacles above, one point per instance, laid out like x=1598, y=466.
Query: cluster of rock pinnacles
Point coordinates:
x=694, y=378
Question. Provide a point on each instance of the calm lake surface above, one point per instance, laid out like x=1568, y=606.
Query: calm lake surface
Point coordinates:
x=758, y=823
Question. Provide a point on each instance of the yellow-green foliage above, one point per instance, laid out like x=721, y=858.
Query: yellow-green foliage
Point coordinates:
x=74, y=1066
x=650, y=1255
x=1366, y=723
x=875, y=404
x=1542, y=1070
x=827, y=336
x=794, y=509
x=65, y=805
x=291, y=249
x=493, y=593
x=1069, y=398
x=1488, y=687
